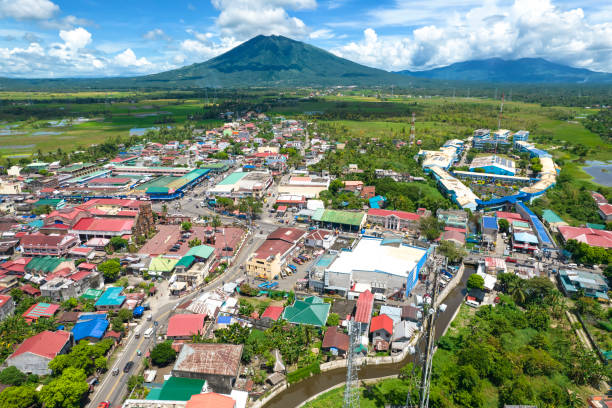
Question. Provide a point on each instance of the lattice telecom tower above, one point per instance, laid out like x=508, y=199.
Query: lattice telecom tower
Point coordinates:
x=412, y=129
x=351, y=392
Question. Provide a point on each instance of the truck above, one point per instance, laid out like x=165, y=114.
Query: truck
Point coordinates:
x=137, y=333
x=380, y=297
x=148, y=333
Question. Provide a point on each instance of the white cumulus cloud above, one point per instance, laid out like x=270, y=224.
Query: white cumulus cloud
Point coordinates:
x=242, y=19
x=156, y=34
x=28, y=9
x=75, y=39
x=128, y=59
x=525, y=28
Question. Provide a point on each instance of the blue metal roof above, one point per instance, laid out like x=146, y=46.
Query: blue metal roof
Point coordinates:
x=489, y=222
x=224, y=319
x=111, y=297
x=525, y=237
x=91, y=316
x=94, y=328
x=538, y=225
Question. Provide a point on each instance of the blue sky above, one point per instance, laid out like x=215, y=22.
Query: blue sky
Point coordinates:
x=53, y=38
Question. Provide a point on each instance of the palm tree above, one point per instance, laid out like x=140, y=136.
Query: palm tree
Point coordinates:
x=517, y=291
x=216, y=222
x=574, y=400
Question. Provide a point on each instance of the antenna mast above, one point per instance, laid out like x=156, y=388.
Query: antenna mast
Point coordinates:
x=412, y=129
x=351, y=392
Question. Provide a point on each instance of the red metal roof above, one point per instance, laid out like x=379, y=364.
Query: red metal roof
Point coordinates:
x=30, y=290
x=593, y=237
x=88, y=266
x=273, y=312
x=336, y=339
x=4, y=299
x=46, y=344
x=104, y=224
x=181, y=325
x=79, y=275
x=383, y=322
x=287, y=234
x=210, y=400
x=363, y=311
x=509, y=216
x=606, y=209
x=40, y=310
x=272, y=247
x=399, y=214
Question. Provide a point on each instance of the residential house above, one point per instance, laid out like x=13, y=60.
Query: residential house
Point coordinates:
x=41, y=309
x=335, y=341
x=217, y=364
x=111, y=299
x=381, y=330
x=34, y=354
x=7, y=306
x=185, y=326
x=320, y=238
x=312, y=310
x=403, y=332
x=591, y=284
x=363, y=310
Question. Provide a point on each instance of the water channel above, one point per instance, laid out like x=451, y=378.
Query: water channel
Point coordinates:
x=298, y=393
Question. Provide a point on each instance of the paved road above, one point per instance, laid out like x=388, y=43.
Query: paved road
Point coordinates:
x=114, y=388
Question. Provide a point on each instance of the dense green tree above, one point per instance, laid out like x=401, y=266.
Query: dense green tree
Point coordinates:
x=12, y=376
x=110, y=269
x=163, y=354
x=18, y=397
x=430, y=227
x=452, y=251
x=333, y=319
x=186, y=226
x=66, y=391
x=475, y=281
x=504, y=225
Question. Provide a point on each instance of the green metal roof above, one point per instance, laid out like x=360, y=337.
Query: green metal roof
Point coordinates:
x=158, y=190
x=186, y=261
x=44, y=264
x=177, y=389
x=339, y=217
x=232, y=178
x=551, y=217
x=92, y=294
x=74, y=167
x=161, y=264
x=595, y=226
x=51, y=202
x=312, y=310
x=201, y=251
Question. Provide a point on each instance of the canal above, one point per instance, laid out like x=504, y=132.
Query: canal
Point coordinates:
x=300, y=392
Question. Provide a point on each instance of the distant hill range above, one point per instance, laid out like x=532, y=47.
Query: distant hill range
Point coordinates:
x=524, y=70
x=277, y=61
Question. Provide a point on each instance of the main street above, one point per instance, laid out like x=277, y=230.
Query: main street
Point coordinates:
x=114, y=388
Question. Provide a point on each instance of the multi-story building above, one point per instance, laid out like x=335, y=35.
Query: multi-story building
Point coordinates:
x=53, y=245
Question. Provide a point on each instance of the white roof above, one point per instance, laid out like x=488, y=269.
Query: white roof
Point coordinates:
x=370, y=255
x=315, y=204
x=489, y=280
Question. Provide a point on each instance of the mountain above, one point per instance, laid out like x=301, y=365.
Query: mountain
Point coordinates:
x=524, y=70
x=263, y=61
x=276, y=61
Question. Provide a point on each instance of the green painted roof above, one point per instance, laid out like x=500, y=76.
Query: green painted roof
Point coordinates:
x=186, y=261
x=92, y=294
x=161, y=264
x=51, y=202
x=312, y=310
x=595, y=226
x=232, y=178
x=178, y=389
x=551, y=217
x=339, y=217
x=44, y=264
x=520, y=224
x=214, y=166
x=158, y=190
x=74, y=167
x=201, y=251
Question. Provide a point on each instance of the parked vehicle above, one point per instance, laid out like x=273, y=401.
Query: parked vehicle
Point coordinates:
x=511, y=260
